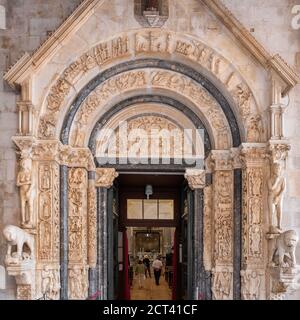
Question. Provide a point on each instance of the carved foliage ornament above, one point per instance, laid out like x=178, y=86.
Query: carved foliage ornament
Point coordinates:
x=105, y=177
x=195, y=178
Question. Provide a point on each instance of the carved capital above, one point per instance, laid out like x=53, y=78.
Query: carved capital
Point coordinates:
x=105, y=177
x=195, y=178
x=76, y=157
x=253, y=154
x=24, y=143
x=221, y=160
x=279, y=151
x=46, y=150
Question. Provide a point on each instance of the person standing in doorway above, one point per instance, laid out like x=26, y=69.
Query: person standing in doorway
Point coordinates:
x=139, y=271
x=157, y=266
x=146, y=262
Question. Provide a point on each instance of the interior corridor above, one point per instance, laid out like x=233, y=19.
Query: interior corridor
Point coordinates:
x=149, y=290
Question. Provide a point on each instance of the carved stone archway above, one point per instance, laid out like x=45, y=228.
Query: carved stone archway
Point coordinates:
x=64, y=193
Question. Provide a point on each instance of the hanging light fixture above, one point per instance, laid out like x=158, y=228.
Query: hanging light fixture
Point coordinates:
x=148, y=191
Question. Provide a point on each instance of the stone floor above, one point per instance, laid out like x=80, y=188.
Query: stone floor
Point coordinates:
x=150, y=291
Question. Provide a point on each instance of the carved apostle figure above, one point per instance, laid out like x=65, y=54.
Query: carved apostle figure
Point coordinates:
x=250, y=285
x=276, y=187
x=76, y=288
x=24, y=182
x=256, y=183
x=222, y=285
x=47, y=281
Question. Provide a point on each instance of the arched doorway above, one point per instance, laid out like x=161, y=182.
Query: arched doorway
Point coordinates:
x=160, y=83
x=169, y=108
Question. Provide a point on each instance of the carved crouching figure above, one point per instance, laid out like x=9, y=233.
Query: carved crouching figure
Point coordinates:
x=284, y=254
x=15, y=236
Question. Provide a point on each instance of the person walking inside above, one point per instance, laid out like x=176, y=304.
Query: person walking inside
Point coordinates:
x=146, y=262
x=139, y=271
x=157, y=266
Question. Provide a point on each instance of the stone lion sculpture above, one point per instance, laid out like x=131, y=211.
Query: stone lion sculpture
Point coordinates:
x=284, y=254
x=16, y=236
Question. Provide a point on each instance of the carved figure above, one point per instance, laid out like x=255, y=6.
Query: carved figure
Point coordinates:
x=284, y=254
x=15, y=236
x=77, y=283
x=276, y=186
x=251, y=284
x=50, y=283
x=24, y=182
x=222, y=285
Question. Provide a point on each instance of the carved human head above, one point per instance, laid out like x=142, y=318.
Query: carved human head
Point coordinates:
x=291, y=238
x=277, y=168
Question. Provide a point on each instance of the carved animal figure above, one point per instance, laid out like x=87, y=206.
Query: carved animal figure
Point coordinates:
x=284, y=254
x=15, y=236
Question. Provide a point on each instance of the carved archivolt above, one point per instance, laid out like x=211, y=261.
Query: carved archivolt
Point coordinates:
x=149, y=42
x=133, y=80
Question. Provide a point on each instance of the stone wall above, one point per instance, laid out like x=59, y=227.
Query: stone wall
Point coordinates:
x=29, y=22
x=270, y=21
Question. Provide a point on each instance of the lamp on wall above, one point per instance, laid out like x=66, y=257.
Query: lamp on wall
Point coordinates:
x=148, y=191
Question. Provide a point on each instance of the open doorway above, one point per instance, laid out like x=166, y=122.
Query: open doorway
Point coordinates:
x=149, y=219
x=145, y=246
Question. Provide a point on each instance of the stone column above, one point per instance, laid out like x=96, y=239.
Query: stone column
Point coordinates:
x=77, y=233
x=64, y=232
x=104, y=181
x=282, y=272
x=254, y=163
x=92, y=235
x=196, y=180
x=223, y=192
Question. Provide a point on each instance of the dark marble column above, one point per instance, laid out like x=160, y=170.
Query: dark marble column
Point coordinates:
x=64, y=232
x=237, y=254
x=102, y=242
x=93, y=280
x=202, y=278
